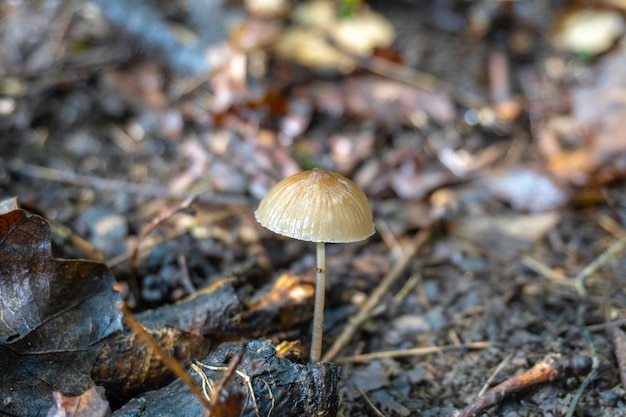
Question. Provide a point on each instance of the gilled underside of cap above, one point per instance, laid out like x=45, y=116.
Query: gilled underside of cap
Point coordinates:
x=317, y=206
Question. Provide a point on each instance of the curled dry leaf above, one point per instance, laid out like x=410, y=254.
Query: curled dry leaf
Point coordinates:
x=53, y=313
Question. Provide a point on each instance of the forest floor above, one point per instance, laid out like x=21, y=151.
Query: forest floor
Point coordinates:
x=489, y=143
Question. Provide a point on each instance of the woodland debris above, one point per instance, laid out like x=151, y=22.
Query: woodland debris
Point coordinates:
x=192, y=327
x=552, y=367
x=270, y=385
x=53, y=312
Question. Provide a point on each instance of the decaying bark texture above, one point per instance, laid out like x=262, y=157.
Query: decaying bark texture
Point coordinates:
x=229, y=310
x=265, y=384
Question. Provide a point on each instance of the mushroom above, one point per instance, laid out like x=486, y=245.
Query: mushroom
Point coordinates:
x=317, y=206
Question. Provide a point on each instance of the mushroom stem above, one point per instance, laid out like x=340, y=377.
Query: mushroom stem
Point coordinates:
x=318, y=310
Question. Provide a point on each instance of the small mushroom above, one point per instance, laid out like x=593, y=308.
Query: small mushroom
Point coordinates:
x=317, y=206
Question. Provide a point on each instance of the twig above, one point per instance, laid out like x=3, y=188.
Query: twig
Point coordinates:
x=146, y=25
x=390, y=239
x=65, y=234
x=413, y=77
x=552, y=367
x=606, y=325
x=494, y=374
x=377, y=295
x=152, y=243
x=185, y=279
x=245, y=377
x=619, y=342
x=105, y=184
x=183, y=207
x=595, y=362
x=171, y=363
x=609, y=224
x=370, y=403
x=544, y=270
x=414, y=281
x=420, y=351
x=612, y=250
x=226, y=377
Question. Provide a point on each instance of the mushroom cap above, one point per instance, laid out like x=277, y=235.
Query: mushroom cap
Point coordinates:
x=317, y=206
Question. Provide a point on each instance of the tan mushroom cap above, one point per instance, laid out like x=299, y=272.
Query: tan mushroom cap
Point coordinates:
x=317, y=206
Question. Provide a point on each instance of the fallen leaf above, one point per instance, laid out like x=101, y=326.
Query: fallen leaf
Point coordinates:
x=599, y=156
x=526, y=189
x=417, y=185
x=589, y=31
x=53, y=313
x=361, y=33
x=358, y=33
x=8, y=204
x=90, y=403
x=308, y=47
x=506, y=236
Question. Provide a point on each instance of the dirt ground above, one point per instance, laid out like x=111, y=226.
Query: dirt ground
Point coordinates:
x=492, y=157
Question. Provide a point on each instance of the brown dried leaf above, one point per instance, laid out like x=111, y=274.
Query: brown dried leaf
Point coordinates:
x=599, y=110
x=90, y=403
x=287, y=299
x=56, y=304
x=52, y=314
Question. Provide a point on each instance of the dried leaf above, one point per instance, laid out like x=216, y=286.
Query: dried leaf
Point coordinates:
x=308, y=47
x=599, y=110
x=52, y=314
x=590, y=31
x=363, y=32
x=56, y=304
x=283, y=295
x=415, y=186
x=525, y=189
x=504, y=237
x=8, y=204
x=90, y=403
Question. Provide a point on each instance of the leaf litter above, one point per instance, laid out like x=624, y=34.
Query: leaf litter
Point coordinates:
x=474, y=124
